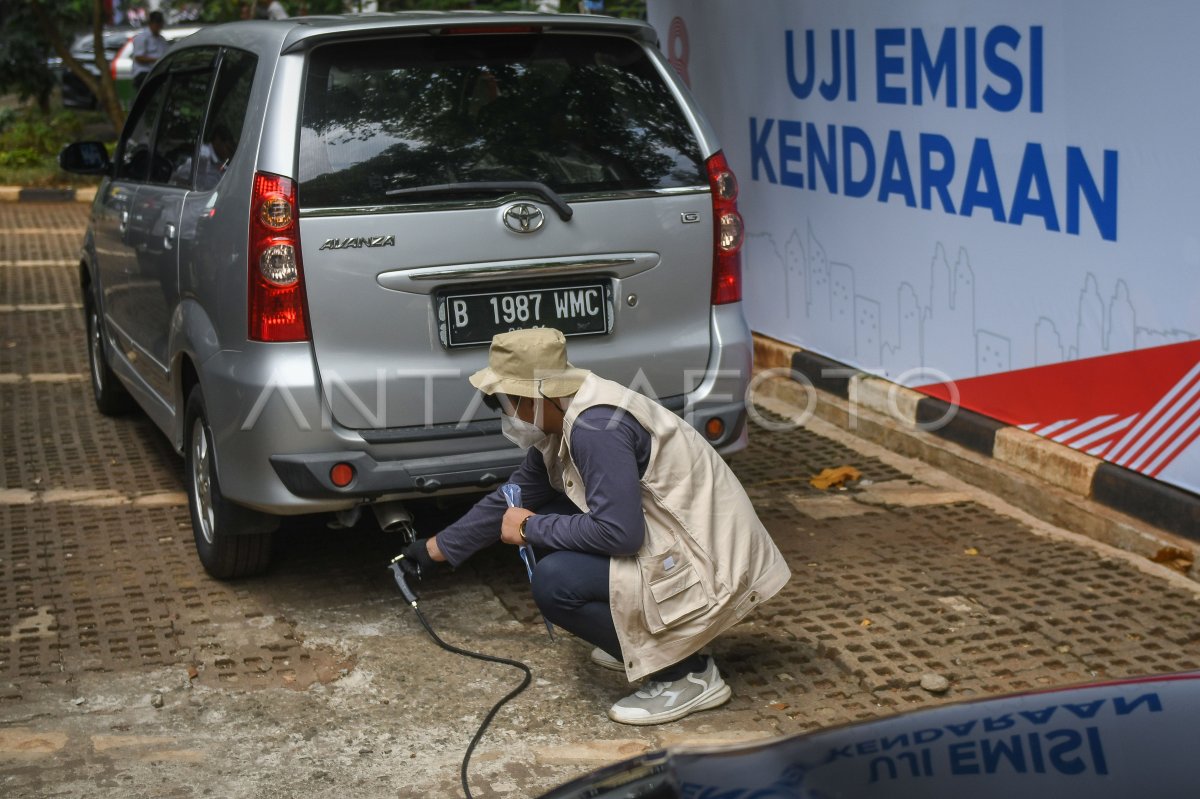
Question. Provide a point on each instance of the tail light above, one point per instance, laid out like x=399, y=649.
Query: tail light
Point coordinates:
x=125, y=50
x=276, y=294
x=728, y=233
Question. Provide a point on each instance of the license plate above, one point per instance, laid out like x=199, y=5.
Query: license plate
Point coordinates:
x=471, y=318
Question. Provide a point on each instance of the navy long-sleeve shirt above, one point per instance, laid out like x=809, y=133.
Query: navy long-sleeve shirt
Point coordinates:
x=611, y=450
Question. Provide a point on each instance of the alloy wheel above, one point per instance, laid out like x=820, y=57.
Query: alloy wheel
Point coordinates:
x=202, y=479
x=96, y=353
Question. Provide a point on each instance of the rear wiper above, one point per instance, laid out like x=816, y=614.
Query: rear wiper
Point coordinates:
x=468, y=187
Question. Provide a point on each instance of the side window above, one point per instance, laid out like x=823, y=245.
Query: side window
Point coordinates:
x=182, y=117
x=223, y=130
x=133, y=160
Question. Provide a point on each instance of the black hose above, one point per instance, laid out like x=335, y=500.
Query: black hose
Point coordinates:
x=495, y=708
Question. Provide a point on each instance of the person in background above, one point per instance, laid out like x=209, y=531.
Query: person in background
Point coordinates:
x=148, y=46
x=275, y=10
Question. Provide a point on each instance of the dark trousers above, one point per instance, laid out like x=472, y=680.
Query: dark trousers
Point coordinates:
x=571, y=591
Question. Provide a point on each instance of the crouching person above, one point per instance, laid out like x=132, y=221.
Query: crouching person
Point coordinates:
x=648, y=546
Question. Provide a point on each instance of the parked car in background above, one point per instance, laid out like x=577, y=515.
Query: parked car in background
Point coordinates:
x=122, y=64
x=74, y=93
x=310, y=231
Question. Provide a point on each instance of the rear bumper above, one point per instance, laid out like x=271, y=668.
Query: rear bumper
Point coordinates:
x=308, y=475
x=276, y=444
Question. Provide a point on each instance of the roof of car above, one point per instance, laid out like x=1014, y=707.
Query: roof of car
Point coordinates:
x=299, y=33
x=181, y=31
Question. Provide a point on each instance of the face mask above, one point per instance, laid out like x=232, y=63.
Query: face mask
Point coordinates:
x=520, y=432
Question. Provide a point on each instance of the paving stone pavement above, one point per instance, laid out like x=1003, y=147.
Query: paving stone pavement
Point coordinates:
x=126, y=671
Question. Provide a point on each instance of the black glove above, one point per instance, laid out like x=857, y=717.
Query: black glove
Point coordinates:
x=417, y=562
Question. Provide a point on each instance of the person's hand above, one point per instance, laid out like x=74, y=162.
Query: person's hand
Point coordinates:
x=510, y=527
x=417, y=561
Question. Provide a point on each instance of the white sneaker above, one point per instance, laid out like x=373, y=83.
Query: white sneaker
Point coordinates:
x=605, y=660
x=659, y=702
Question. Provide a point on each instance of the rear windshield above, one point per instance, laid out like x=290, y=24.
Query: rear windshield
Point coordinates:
x=577, y=113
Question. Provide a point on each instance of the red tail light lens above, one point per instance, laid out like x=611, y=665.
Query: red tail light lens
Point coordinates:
x=728, y=233
x=276, y=295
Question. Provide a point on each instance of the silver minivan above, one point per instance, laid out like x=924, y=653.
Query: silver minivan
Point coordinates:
x=310, y=230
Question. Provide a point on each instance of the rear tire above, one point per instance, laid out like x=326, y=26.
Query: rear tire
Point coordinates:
x=111, y=397
x=231, y=540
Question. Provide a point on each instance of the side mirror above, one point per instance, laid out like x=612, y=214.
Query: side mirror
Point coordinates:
x=85, y=158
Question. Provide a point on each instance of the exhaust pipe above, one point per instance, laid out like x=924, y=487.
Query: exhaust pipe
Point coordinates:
x=393, y=517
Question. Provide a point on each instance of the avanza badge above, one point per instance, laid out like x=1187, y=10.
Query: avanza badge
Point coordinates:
x=362, y=241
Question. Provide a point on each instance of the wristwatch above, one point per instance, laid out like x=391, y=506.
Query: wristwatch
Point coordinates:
x=521, y=526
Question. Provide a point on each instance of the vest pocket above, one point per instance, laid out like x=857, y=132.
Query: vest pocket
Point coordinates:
x=672, y=591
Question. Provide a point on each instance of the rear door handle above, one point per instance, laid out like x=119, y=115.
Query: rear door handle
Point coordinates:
x=169, y=237
x=124, y=221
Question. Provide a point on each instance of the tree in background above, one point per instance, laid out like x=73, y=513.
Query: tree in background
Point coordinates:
x=229, y=10
x=31, y=28
x=617, y=8
x=23, y=67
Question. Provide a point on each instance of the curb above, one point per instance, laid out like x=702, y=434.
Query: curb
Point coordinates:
x=18, y=194
x=954, y=438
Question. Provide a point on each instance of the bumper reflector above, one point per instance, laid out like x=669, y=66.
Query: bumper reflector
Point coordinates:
x=341, y=475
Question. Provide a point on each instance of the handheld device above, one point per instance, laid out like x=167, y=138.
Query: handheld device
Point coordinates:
x=512, y=495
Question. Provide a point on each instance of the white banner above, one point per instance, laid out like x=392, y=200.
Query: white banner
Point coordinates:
x=1000, y=194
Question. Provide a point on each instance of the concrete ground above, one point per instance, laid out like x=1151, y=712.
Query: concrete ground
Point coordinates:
x=126, y=672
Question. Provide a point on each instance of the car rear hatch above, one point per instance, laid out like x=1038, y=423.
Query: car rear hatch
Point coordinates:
x=455, y=186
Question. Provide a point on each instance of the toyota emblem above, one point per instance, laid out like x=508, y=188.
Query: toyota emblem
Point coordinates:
x=523, y=217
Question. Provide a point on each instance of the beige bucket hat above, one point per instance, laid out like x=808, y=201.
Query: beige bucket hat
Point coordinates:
x=528, y=363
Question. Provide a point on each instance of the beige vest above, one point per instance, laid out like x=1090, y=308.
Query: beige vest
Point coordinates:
x=706, y=560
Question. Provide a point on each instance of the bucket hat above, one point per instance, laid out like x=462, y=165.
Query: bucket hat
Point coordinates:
x=529, y=363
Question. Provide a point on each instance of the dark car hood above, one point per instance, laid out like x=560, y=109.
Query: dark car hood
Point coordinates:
x=1118, y=739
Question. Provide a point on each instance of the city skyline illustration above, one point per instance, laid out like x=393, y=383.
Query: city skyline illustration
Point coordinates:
x=935, y=327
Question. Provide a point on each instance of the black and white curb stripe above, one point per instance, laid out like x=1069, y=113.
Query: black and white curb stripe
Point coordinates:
x=1164, y=506
x=18, y=194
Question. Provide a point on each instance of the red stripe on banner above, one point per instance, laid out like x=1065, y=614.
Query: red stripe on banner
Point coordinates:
x=1153, y=454
x=1106, y=436
x=1123, y=384
x=1160, y=417
x=1186, y=442
x=1088, y=428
